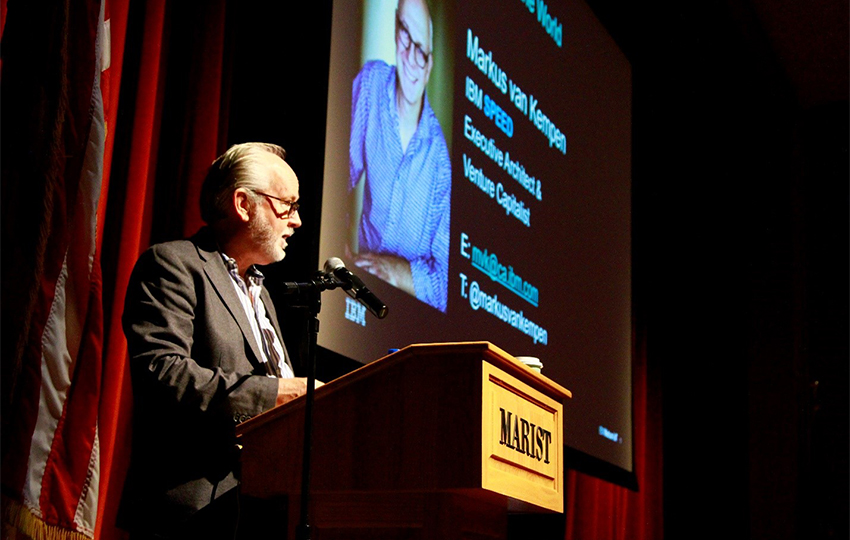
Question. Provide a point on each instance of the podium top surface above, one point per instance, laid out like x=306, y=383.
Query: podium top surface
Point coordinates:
x=493, y=354
x=480, y=350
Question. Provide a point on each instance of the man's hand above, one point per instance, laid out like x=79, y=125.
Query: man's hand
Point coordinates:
x=392, y=269
x=289, y=389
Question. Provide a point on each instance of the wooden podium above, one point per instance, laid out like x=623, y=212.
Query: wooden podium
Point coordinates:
x=434, y=441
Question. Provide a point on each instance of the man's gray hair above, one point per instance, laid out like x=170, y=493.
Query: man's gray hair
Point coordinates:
x=232, y=170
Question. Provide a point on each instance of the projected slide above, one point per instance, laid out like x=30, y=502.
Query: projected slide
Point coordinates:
x=477, y=179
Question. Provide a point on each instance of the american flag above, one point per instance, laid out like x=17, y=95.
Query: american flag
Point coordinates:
x=52, y=455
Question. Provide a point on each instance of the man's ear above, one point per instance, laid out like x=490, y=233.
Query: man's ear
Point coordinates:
x=241, y=202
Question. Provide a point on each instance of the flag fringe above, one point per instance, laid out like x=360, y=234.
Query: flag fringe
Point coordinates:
x=23, y=520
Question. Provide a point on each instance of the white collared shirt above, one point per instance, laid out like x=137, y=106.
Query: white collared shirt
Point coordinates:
x=262, y=328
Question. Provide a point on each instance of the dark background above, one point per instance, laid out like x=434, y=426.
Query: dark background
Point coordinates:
x=740, y=238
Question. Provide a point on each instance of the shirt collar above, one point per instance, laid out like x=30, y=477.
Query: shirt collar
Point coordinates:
x=255, y=277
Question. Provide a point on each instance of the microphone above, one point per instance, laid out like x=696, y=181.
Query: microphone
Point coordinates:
x=355, y=287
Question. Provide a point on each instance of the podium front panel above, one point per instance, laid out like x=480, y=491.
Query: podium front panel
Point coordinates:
x=522, y=446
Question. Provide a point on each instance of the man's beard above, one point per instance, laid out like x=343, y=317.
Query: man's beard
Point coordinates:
x=265, y=239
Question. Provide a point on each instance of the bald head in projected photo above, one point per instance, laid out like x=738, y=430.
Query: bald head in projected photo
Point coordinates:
x=398, y=151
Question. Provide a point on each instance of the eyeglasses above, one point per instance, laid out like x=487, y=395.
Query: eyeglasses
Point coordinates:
x=289, y=212
x=419, y=54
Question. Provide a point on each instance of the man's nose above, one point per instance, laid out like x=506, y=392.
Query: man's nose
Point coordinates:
x=295, y=220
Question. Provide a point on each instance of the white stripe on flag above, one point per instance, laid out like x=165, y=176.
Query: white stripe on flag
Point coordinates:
x=104, y=37
x=55, y=381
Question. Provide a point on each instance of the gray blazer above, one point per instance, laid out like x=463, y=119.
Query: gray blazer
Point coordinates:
x=196, y=373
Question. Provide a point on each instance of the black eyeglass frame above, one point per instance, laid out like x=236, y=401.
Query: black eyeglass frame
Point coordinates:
x=286, y=214
x=419, y=55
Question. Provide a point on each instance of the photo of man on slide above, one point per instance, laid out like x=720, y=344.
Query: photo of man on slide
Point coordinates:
x=399, y=160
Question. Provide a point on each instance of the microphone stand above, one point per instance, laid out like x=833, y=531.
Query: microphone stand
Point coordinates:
x=308, y=295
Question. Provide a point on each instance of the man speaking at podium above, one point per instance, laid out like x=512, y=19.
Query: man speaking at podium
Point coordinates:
x=205, y=348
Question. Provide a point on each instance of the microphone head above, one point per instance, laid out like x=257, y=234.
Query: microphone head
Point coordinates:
x=332, y=264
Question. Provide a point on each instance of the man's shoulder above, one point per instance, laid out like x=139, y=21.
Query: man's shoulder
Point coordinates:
x=375, y=74
x=185, y=251
x=174, y=248
x=376, y=68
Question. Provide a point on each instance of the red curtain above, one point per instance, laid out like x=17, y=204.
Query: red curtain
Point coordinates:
x=603, y=511
x=167, y=115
